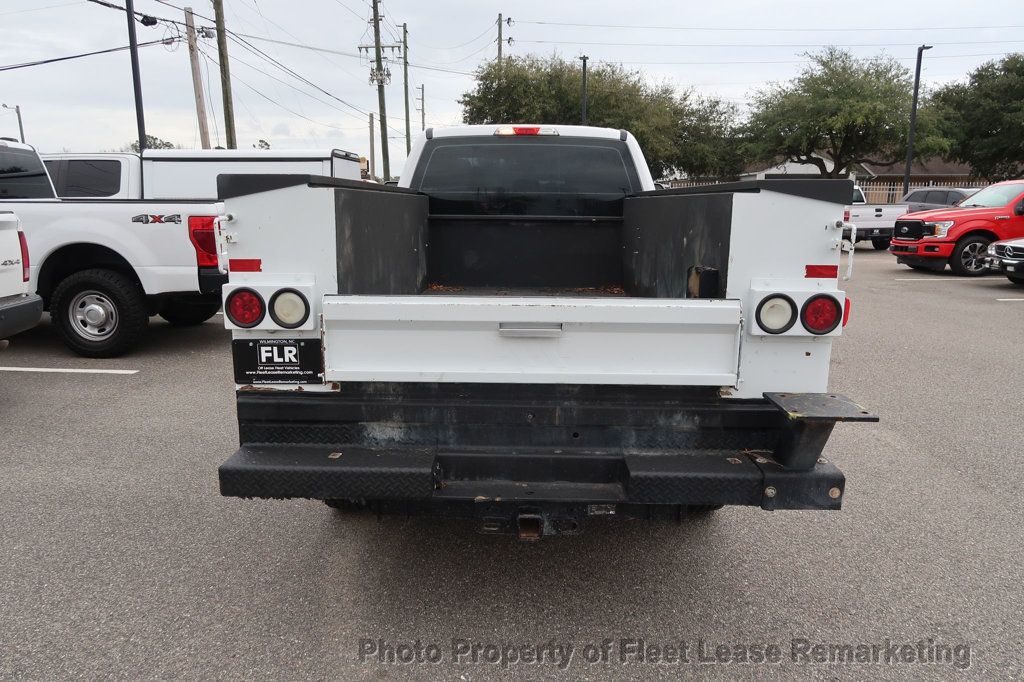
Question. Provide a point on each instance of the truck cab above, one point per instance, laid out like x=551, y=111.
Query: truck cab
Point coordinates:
x=527, y=333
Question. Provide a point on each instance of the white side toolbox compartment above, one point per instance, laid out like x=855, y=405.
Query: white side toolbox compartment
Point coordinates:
x=531, y=340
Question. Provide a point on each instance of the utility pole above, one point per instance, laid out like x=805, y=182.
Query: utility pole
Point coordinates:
x=423, y=109
x=197, y=80
x=405, y=78
x=381, y=105
x=373, y=164
x=133, y=44
x=499, y=37
x=913, y=119
x=225, y=74
x=21, y=128
x=583, y=94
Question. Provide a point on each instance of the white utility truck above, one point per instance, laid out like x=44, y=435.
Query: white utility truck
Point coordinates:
x=528, y=333
x=183, y=173
x=19, y=309
x=130, y=237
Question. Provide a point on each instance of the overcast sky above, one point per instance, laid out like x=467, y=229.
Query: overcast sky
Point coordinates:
x=725, y=48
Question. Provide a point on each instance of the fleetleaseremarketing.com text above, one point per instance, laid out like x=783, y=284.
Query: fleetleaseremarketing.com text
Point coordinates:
x=638, y=651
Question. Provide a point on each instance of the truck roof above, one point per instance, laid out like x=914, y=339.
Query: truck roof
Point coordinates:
x=563, y=130
x=214, y=154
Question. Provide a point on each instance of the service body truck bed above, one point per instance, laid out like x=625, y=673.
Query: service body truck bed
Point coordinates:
x=527, y=333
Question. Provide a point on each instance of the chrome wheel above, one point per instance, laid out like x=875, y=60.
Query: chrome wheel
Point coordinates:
x=973, y=256
x=93, y=315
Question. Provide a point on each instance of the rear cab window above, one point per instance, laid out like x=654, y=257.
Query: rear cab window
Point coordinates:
x=86, y=178
x=22, y=175
x=526, y=175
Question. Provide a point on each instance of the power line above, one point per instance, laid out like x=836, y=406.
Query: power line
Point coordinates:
x=490, y=27
x=270, y=99
x=36, y=9
x=787, y=61
x=765, y=30
x=23, y=65
x=747, y=45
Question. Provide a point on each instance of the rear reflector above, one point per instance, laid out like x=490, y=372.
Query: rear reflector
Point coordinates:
x=24, y=256
x=846, y=216
x=245, y=265
x=846, y=311
x=525, y=130
x=200, y=232
x=821, y=271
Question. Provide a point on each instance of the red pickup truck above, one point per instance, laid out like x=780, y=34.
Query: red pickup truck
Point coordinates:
x=960, y=235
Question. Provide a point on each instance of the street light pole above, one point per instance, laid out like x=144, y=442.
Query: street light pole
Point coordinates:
x=21, y=128
x=913, y=119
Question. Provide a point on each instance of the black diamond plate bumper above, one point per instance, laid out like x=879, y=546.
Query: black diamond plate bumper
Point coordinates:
x=532, y=445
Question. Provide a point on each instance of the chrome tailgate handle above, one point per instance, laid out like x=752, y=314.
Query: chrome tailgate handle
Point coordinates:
x=535, y=330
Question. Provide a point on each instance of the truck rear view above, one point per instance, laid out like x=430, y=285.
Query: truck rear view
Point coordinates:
x=528, y=334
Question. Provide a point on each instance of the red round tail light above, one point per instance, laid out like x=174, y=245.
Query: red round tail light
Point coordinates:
x=245, y=308
x=821, y=314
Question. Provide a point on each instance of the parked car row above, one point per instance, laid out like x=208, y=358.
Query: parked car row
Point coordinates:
x=876, y=221
x=972, y=238
x=117, y=238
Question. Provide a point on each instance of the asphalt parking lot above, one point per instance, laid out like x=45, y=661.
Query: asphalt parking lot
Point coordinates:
x=120, y=559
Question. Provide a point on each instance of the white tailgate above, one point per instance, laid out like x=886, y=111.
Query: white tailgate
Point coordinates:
x=531, y=340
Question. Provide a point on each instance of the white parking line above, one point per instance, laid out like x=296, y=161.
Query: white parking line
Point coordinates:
x=69, y=370
x=1010, y=299
x=932, y=279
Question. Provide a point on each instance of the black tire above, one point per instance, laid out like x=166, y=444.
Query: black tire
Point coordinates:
x=968, y=258
x=116, y=296
x=881, y=243
x=1019, y=281
x=181, y=312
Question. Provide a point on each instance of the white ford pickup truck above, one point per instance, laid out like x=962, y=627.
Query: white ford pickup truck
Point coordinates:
x=526, y=332
x=128, y=237
x=19, y=309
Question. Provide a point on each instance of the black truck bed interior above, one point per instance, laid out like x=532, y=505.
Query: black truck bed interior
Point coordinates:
x=661, y=246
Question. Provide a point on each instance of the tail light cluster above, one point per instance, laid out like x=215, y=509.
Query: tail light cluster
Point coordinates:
x=246, y=308
x=819, y=314
x=24, y=256
x=200, y=233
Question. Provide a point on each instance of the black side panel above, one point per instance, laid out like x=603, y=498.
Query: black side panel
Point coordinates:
x=666, y=238
x=381, y=238
x=835, y=191
x=525, y=251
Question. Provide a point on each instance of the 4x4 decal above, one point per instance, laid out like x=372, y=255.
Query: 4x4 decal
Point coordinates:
x=146, y=218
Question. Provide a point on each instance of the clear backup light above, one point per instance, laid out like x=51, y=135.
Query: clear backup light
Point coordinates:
x=775, y=314
x=821, y=314
x=245, y=308
x=289, y=308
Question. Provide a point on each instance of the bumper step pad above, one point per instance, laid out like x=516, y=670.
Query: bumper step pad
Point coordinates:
x=685, y=478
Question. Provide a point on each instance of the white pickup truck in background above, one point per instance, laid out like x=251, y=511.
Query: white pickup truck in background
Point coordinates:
x=525, y=332
x=874, y=222
x=132, y=237
x=19, y=309
x=182, y=173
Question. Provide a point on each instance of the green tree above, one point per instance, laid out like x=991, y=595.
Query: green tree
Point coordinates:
x=840, y=111
x=152, y=142
x=531, y=89
x=983, y=119
x=261, y=144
